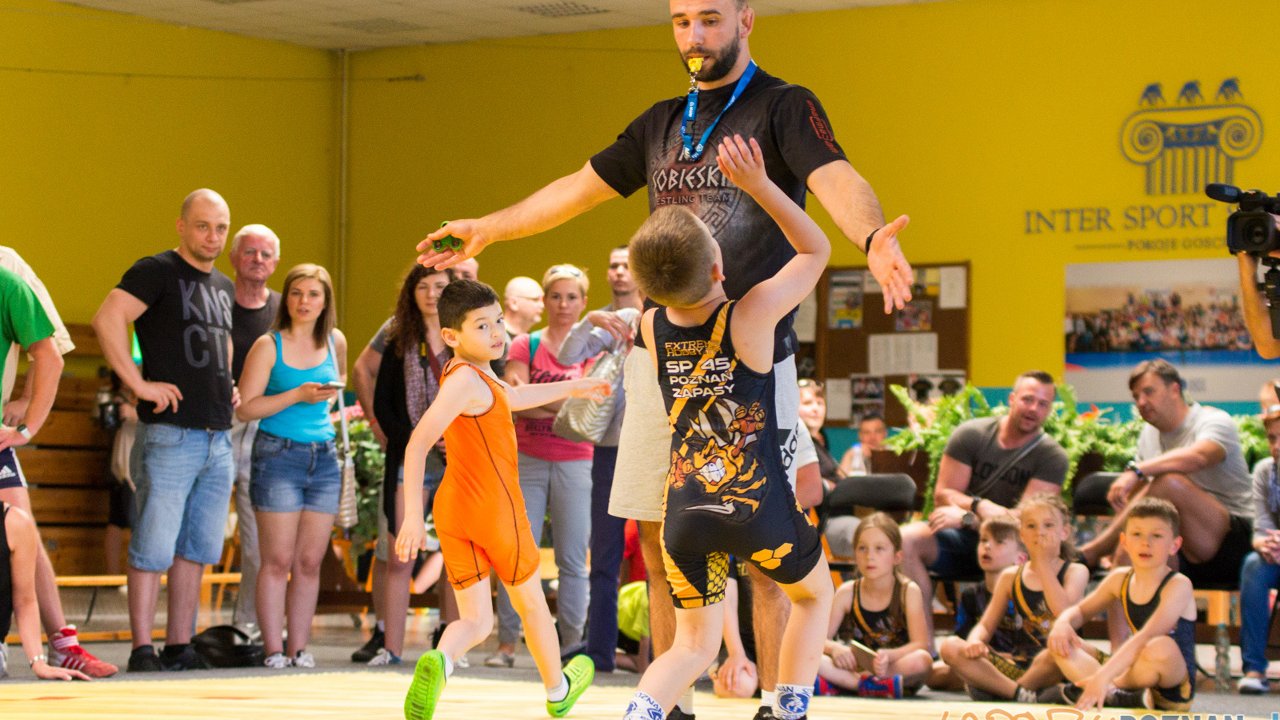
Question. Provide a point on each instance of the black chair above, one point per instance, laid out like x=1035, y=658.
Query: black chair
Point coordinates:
x=886, y=492
x=1089, y=496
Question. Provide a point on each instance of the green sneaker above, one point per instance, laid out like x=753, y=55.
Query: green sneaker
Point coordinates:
x=580, y=671
x=428, y=681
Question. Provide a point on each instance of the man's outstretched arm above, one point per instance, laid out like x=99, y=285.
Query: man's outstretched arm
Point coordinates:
x=854, y=207
x=554, y=204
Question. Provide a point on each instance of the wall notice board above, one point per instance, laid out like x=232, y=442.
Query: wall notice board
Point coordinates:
x=857, y=351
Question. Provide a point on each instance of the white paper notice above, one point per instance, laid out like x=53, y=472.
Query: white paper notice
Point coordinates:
x=953, y=288
x=806, y=324
x=839, y=394
x=898, y=354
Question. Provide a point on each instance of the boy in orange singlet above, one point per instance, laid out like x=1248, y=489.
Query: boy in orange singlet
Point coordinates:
x=480, y=514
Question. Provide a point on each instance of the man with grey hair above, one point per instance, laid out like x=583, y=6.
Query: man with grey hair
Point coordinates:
x=523, y=305
x=255, y=252
x=180, y=305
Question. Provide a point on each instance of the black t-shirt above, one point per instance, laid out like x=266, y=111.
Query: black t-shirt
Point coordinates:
x=247, y=326
x=976, y=444
x=795, y=137
x=184, y=335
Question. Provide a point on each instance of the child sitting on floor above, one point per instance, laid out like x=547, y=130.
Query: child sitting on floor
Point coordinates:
x=1039, y=590
x=879, y=645
x=1156, y=666
x=998, y=548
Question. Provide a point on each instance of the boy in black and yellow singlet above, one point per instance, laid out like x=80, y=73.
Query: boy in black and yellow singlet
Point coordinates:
x=727, y=490
x=1155, y=667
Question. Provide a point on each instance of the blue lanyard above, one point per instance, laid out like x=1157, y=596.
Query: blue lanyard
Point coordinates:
x=694, y=152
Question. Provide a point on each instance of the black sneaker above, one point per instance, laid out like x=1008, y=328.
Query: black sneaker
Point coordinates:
x=177, y=658
x=979, y=695
x=436, y=635
x=1118, y=698
x=1061, y=694
x=143, y=659
x=678, y=714
x=764, y=713
x=371, y=648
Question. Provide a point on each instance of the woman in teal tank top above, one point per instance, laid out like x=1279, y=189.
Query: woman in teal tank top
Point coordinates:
x=290, y=376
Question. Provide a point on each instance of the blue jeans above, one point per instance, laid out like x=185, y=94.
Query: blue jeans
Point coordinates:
x=184, y=478
x=608, y=541
x=291, y=476
x=562, y=489
x=1257, y=578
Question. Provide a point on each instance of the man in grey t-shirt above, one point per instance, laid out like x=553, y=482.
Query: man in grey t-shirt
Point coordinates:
x=989, y=465
x=1190, y=455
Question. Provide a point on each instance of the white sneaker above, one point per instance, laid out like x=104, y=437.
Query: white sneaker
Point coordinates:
x=4, y=661
x=462, y=663
x=1253, y=686
x=383, y=658
x=304, y=659
x=277, y=661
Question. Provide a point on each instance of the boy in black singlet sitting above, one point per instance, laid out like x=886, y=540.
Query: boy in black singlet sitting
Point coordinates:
x=727, y=490
x=1156, y=666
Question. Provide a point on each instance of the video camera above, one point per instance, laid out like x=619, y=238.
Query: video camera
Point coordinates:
x=1252, y=228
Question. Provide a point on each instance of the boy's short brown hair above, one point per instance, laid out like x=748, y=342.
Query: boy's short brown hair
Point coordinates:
x=1002, y=528
x=671, y=257
x=1149, y=507
x=461, y=297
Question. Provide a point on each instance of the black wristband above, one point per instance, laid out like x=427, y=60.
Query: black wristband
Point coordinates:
x=973, y=505
x=867, y=249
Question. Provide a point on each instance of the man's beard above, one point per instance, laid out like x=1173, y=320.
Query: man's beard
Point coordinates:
x=723, y=65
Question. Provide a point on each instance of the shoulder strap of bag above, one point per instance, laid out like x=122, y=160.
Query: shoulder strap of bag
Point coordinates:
x=994, y=477
x=342, y=402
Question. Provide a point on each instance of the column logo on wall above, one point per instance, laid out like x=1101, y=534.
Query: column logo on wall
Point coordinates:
x=1190, y=141
x=1183, y=136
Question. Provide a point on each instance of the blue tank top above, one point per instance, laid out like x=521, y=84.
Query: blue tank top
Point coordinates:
x=302, y=422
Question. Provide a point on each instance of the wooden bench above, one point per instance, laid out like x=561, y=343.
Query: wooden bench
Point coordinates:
x=98, y=582
x=68, y=464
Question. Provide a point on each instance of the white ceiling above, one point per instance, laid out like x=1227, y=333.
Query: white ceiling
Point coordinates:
x=364, y=24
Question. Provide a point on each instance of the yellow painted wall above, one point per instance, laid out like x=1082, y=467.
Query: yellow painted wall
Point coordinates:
x=964, y=114
x=107, y=121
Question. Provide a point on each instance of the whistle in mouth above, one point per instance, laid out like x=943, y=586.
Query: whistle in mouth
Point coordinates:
x=695, y=64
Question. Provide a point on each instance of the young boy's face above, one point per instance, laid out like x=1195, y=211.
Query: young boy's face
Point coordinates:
x=1273, y=437
x=994, y=554
x=1149, y=541
x=482, y=337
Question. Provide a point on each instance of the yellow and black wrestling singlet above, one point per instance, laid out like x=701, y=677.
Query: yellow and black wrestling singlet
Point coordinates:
x=726, y=490
x=1173, y=699
x=877, y=629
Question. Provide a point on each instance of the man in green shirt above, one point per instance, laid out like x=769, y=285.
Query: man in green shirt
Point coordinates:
x=23, y=321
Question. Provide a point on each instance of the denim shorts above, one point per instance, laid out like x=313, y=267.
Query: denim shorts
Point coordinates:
x=291, y=476
x=957, y=555
x=184, y=478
